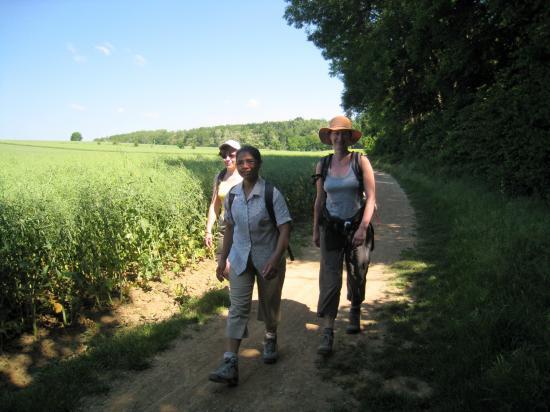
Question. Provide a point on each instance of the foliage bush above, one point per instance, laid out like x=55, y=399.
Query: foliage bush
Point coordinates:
x=479, y=278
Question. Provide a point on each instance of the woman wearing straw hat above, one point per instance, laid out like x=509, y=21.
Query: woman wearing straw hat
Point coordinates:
x=223, y=182
x=344, y=207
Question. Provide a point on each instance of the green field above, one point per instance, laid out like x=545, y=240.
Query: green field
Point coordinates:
x=81, y=221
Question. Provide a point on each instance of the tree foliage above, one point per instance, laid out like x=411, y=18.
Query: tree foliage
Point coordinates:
x=461, y=84
x=298, y=134
x=76, y=137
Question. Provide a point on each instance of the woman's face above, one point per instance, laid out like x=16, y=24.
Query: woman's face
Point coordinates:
x=339, y=138
x=247, y=166
x=228, y=157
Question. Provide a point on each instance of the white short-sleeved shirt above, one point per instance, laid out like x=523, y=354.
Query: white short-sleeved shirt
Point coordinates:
x=253, y=233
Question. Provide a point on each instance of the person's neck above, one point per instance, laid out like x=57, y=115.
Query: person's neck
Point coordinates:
x=231, y=171
x=249, y=184
x=341, y=153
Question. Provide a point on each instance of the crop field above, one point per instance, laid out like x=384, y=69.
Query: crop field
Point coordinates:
x=81, y=221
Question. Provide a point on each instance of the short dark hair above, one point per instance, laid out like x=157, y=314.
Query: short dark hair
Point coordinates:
x=255, y=153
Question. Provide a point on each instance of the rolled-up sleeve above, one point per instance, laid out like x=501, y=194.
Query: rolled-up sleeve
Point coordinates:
x=282, y=214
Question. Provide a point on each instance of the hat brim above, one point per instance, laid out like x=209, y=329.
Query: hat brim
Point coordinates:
x=228, y=146
x=324, y=135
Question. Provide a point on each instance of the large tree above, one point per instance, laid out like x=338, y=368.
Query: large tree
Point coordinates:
x=463, y=84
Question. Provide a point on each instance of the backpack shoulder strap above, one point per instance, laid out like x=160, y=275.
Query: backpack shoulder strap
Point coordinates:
x=269, y=202
x=356, y=167
x=221, y=175
x=271, y=212
x=325, y=164
x=230, y=198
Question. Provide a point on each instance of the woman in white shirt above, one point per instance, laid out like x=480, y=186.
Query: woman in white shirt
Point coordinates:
x=223, y=182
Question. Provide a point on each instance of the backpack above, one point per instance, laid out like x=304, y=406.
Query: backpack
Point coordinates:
x=268, y=205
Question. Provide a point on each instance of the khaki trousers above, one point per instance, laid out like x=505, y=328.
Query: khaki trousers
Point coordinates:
x=269, y=296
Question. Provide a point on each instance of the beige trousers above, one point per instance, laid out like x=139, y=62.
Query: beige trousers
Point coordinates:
x=269, y=296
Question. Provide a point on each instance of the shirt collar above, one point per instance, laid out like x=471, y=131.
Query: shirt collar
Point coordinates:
x=257, y=190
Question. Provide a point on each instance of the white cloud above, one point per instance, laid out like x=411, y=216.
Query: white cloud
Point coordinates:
x=151, y=115
x=105, y=48
x=77, y=57
x=252, y=103
x=139, y=60
x=77, y=107
x=120, y=109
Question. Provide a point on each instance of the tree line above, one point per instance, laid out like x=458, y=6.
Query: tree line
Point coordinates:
x=461, y=85
x=298, y=134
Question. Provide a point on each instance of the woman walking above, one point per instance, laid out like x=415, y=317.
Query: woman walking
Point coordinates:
x=344, y=206
x=254, y=244
x=223, y=182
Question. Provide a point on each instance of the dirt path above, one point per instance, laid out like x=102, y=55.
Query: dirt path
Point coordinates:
x=177, y=381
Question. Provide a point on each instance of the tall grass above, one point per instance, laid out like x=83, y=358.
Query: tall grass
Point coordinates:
x=477, y=327
x=77, y=227
x=78, y=222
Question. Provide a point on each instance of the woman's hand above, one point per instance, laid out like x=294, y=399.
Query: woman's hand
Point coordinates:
x=271, y=268
x=316, y=237
x=222, y=270
x=360, y=236
x=208, y=242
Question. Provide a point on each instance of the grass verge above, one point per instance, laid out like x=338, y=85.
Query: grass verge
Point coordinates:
x=60, y=386
x=476, y=326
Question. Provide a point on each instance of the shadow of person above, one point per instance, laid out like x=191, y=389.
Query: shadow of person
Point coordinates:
x=179, y=378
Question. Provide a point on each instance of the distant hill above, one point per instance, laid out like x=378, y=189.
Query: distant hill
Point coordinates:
x=298, y=134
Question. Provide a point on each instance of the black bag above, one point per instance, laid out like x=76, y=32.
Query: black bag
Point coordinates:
x=339, y=232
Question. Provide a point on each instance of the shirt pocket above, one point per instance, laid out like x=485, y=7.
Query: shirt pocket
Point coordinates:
x=261, y=218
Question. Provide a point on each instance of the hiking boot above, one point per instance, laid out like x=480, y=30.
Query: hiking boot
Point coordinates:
x=270, y=354
x=228, y=372
x=354, y=325
x=327, y=339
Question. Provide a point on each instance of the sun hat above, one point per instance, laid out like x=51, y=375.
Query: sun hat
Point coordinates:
x=230, y=144
x=339, y=123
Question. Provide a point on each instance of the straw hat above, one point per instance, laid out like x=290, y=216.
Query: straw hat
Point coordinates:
x=339, y=123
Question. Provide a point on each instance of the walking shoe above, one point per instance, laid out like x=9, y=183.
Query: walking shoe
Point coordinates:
x=327, y=339
x=354, y=325
x=227, y=372
x=270, y=354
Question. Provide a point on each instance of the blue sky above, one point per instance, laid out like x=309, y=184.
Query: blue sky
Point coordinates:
x=105, y=67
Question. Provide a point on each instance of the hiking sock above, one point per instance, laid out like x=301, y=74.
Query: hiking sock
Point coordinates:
x=229, y=355
x=270, y=335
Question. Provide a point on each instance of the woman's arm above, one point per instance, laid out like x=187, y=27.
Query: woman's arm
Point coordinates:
x=221, y=272
x=213, y=213
x=271, y=268
x=318, y=205
x=370, y=192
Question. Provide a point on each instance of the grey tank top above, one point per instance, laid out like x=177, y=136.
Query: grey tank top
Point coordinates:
x=343, y=199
